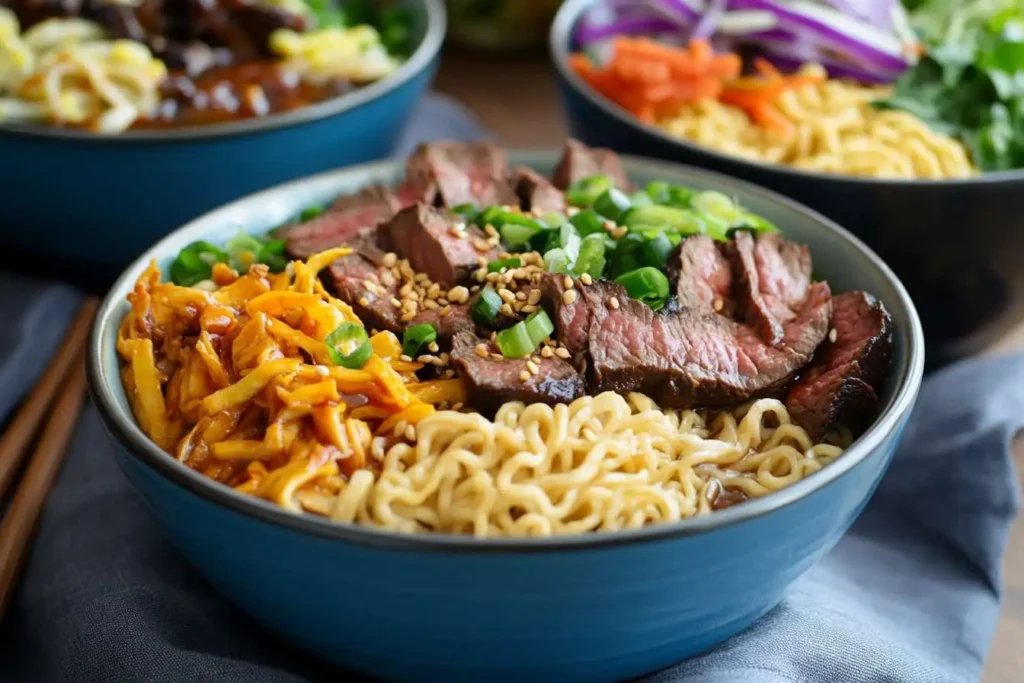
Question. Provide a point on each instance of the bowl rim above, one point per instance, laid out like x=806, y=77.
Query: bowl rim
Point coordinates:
x=559, y=39
x=418, y=61
x=125, y=430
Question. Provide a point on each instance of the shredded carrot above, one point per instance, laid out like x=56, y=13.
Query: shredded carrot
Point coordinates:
x=756, y=95
x=652, y=80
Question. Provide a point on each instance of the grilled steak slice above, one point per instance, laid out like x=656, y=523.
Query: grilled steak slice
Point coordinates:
x=572, y=320
x=346, y=219
x=421, y=234
x=579, y=161
x=356, y=280
x=687, y=358
x=773, y=275
x=456, y=320
x=463, y=173
x=494, y=382
x=536, y=192
x=702, y=276
x=840, y=386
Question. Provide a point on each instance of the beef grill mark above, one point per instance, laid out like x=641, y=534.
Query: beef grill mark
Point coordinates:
x=579, y=161
x=347, y=219
x=493, y=382
x=423, y=236
x=841, y=385
x=462, y=172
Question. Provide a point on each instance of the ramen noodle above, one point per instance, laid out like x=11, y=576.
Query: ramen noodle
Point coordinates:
x=834, y=130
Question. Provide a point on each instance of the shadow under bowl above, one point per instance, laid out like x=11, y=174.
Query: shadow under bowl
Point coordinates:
x=602, y=606
x=953, y=242
x=81, y=206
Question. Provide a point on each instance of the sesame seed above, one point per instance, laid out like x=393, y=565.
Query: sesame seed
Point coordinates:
x=481, y=350
x=562, y=353
x=568, y=296
x=449, y=373
x=446, y=310
x=718, y=305
x=521, y=295
x=507, y=295
x=414, y=296
x=524, y=376
x=363, y=301
x=481, y=245
x=321, y=370
x=614, y=303
x=390, y=259
x=534, y=297
x=586, y=279
x=474, y=289
x=388, y=278
x=457, y=405
x=431, y=305
x=833, y=334
x=458, y=294
x=395, y=302
x=619, y=233
x=406, y=289
x=567, y=282
x=406, y=358
x=546, y=352
x=608, y=225
x=532, y=367
x=410, y=433
x=481, y=261
x=529, y=308
x=433, y=290
x=507, y=310
x=491, y=232
x=427, y=358
x=480, y=275
x=433, y=347
x=493, y=241
x=497, y=356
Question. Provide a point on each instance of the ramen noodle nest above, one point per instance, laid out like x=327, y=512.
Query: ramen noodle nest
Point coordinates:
x=834, y=129
x=236, y=379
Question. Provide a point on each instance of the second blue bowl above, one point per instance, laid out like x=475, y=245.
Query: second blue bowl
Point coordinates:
x=602, y=606
x=89, y=204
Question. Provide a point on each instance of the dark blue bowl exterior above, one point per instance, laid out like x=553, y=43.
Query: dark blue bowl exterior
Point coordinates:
x=608, y=613
x=105, y=202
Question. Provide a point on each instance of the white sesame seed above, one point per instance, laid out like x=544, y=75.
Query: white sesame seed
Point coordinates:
x=458, y=294
x=833, y=334
x=534, y=297
x=363, y=301
x=586, y=279
x=532, y=367
x=431, y=305
x=321, y=370
x=406, y=358
x=568, y=296
x=481, y=350
x=497, y=356
x=507, y=310
x=528, y=308
x=457, y=405
x=426, y=359
x=567, y=282
x=524, y=376
x=614, y=303
x=433, y=347
x=395, y=302
x=545, y=352
x=408, y=315
x=390, y=259
x=562, y=353
x=718, y=305
x=507, y=295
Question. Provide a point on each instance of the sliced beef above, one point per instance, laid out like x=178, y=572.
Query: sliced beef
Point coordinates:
x=773, y=275
x=349, y=217
x=536, y=192
x=456, y=320
x=494, y=382
x=841, y=385
x=572, y=320
x=356, y=280
x=463, y=173
x=579, y=161
x=702, y=275
x=423, y=235
x=686, y=358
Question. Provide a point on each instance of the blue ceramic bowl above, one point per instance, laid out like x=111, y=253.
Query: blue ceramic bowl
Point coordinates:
x=442, y=608
x=93, y=203
x=947, y=240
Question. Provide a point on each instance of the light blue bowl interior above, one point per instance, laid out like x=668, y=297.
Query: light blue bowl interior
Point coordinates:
x=603, y=606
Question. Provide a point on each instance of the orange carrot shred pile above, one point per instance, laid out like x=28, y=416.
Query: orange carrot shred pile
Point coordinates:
x=757, y=95
x=652, y=80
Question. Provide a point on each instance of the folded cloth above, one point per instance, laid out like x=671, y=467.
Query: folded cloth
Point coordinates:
x=910, y=594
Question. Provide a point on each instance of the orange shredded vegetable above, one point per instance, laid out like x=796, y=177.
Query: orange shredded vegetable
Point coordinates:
x=653, y=80
x=757, y=95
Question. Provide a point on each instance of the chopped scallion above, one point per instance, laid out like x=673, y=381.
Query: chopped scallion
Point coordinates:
x=539, y=327
x=496, y=266
x=348, y=346
x=515, y=342
x=487, y=305
x=310, y=213
x=655, y=251
x=612, y=204
x=585, y=191
x=646, y=284
x=416, y=337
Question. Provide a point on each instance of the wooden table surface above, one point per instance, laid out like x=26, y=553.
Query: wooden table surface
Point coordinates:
x=515, y=97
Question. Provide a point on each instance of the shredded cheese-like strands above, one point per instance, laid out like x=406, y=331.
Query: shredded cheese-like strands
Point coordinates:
x=320, y=56
x=238, y=382
x=66, y=72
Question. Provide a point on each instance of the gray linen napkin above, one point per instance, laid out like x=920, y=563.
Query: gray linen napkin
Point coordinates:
x=910, y=594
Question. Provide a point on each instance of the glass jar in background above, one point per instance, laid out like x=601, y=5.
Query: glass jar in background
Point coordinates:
x=500, y=24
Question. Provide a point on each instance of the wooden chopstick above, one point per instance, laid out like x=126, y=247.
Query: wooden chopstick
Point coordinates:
x=18, y=524
x=14, y=442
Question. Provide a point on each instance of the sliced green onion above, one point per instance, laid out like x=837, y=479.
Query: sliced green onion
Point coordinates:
x=655, y=251
x=569, y=240
x=591, y=259
x=646, y=284
x=416, y=337
x=717, y=205
x=612, y=204
x=553, y=219
x=670, y=218
x=678, y=196
x=640, y=198
x=195, y=263
x=310, y=213
x=491, y=216
x=539, y=327
x=464, y=209
x=487, y=305
x=348, y=346
x=496, y=266
x=557, y=261
x=585, y=191
x=515, y=342
x=674, y=237
x=657, y=190
x=517, y=235
x=587, y=221
x=755, y=222
x=243, y=251
x=544, y=240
